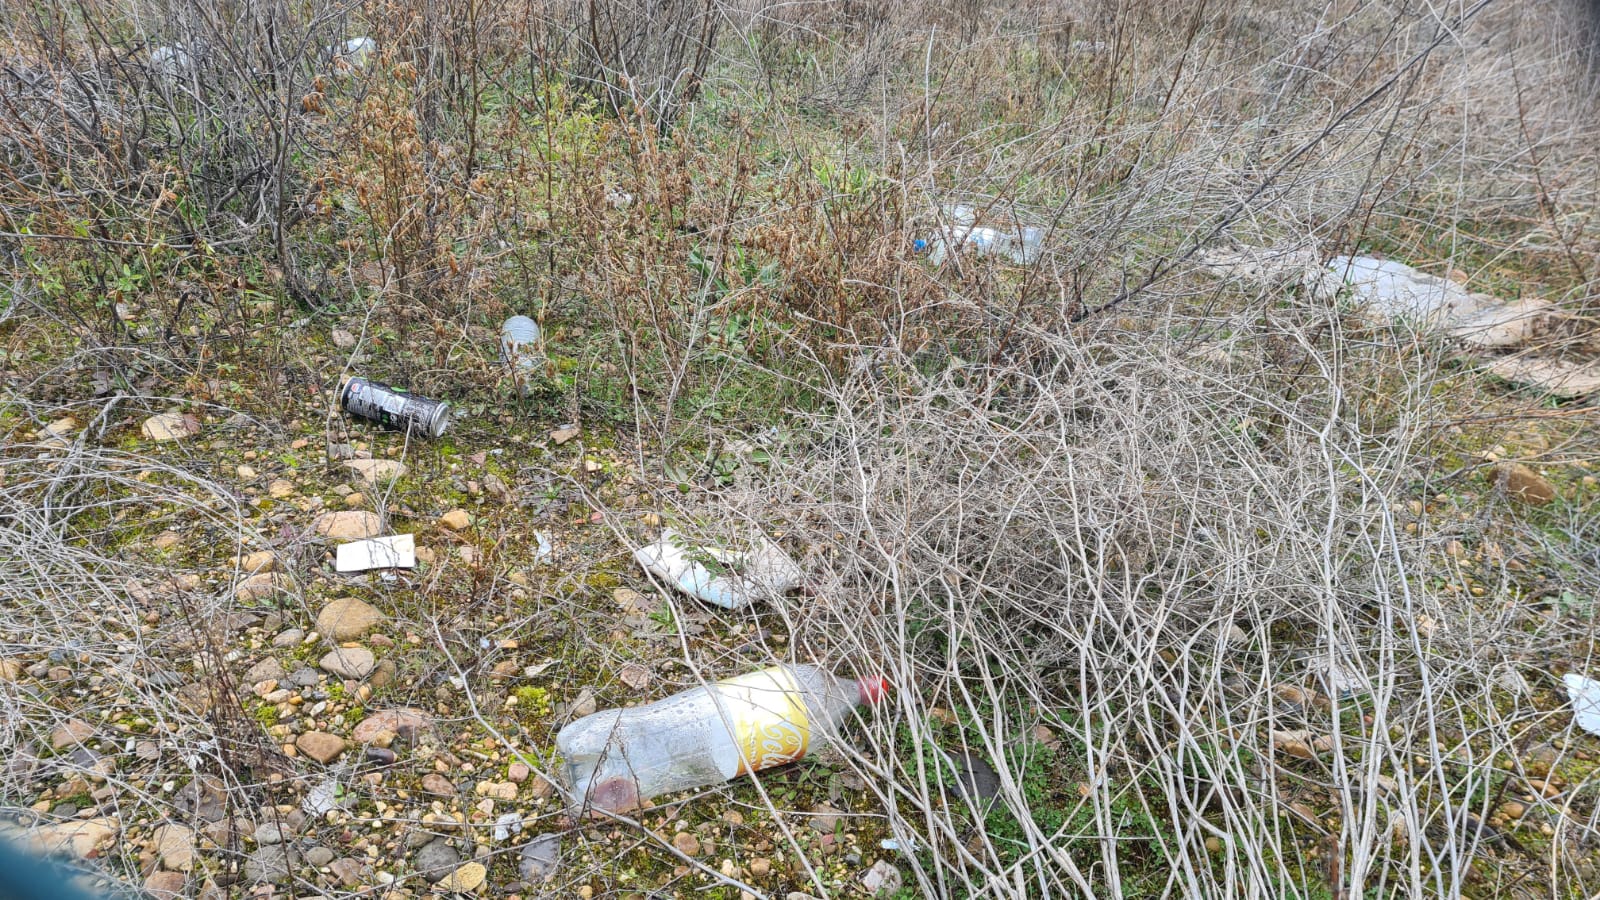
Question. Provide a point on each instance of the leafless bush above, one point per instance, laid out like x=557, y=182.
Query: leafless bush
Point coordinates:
x=1158, y=549
x=644, y=58
x=137, y=647
x=1163, y=524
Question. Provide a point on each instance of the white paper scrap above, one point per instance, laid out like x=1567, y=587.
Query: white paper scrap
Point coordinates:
x=397, y=551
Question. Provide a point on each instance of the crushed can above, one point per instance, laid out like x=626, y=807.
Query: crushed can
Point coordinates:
x=394, y=407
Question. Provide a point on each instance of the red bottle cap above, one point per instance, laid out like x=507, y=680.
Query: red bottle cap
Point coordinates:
x=872, y=690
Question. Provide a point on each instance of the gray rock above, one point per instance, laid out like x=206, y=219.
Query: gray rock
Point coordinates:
x=165, y=678
x=268, y=833
x=541, y=859
x=354, y=663
x=205, y=797
x=584, y=704
x=267, y=669
x=289, y=637
x=304, y=677
x=437, y=859
x=977, y=779
x=825, y=818
x=319, y=856
x=347, y=870
x=882, y=879
x=272, y=863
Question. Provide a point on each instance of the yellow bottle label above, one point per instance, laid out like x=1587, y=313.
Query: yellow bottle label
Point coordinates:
x=767, y=718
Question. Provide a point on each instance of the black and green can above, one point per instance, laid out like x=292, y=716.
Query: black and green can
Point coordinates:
x=394, y=407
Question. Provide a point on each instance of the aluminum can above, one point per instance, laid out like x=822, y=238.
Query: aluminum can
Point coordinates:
x=394, y=407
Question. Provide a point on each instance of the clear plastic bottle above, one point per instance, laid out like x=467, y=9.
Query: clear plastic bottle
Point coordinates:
x=1021, y=244
x=519, y=350
x=618, y=758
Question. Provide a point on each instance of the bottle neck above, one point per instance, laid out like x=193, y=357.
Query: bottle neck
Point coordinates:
x=871, y=691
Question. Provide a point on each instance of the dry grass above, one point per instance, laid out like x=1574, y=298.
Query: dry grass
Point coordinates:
x=1096, y=494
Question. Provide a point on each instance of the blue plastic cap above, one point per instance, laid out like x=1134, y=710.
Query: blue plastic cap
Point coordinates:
x=919, y=245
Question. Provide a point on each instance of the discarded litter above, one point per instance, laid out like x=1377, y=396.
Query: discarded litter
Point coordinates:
x=353, y=53
x=171, y=63
x=506, y=826
x=519, y=350
x=544, y=550
x=394, y=407
x=1398, y=292
x=537, y=669
x=977, y=780
x=398, y=551
x=326, y=797
x=764, y=570
x=1021, y=244
x=618, y=758
x=1338, y=681
x=1585, y=694
x=1392, y=292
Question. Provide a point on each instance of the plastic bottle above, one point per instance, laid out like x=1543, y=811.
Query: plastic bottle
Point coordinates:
x=1021, y=244
x=618, y=758
x=519, y=350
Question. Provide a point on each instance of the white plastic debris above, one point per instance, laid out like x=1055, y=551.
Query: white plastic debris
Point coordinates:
x=1020, y=244
x=353, y=53
x=326, y=797
x=764, y=570
x=619, y=199
x=1585, y=694
x=544, y=551
x=519, y=351
x=1389, y=291
x=397, y=551
x=506, y=826
x=171, y=63
x=1337, y=680
x=1398, y=291
x=537, y=669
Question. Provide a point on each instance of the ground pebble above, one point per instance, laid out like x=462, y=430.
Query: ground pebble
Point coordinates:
x=687, y=844
x=541, y=858
x=436, y=860
x=882, y=879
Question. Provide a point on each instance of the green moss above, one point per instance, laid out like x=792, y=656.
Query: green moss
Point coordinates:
x=602, y=581
x=534, y=700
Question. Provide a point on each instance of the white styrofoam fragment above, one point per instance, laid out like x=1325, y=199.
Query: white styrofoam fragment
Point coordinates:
x=397, y=551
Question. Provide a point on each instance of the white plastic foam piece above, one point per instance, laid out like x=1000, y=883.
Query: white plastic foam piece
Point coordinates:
x=397, y=551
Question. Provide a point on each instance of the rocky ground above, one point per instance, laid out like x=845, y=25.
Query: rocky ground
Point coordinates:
x=248, y=722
